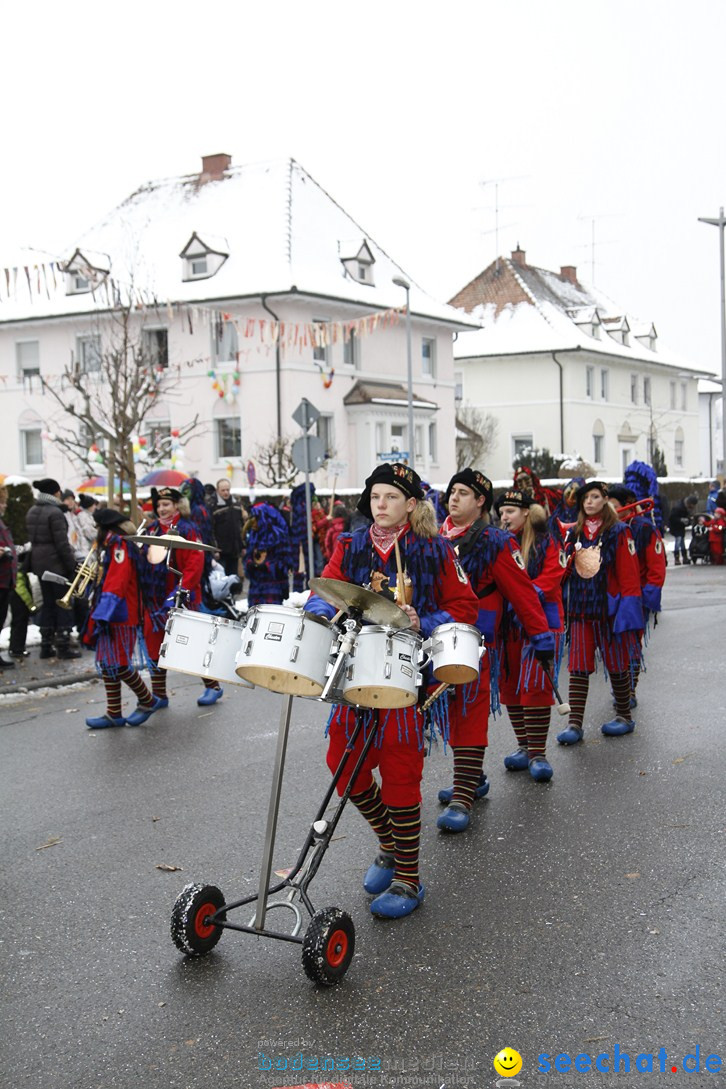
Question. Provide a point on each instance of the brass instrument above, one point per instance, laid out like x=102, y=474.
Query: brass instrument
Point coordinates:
x=86, y=575
x=641, y=506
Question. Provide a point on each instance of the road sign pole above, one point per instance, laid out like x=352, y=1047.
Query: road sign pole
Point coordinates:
x=308, y=503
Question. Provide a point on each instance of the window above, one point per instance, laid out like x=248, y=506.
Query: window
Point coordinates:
x=202, y=259
x=381, y=438
x=678, y=448
x=224, y=340
x=320, y=351
x=419, y=441
x=626, y=456
x=156, y=347
x=589, y=382
x=88, y=351
x=324, y=431
x=197, y=267
x=522, y=444
x=27, y=355
x=229, y=437
x=646, y=391
x=432, y=443
x=32, y=447
x=351, y=351
x=362, y=272
x=428, y=357
x=158, y=436
x=398, y=439
x=684, y=396
x=458, y=385
x=673, y=395
x=633, y=389
x=604, y=382
x=598, y=442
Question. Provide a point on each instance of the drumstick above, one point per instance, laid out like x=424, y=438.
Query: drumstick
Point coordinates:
x=400, y=585
x=562, y=708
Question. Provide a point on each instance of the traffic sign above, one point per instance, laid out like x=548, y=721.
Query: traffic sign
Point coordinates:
x=251, y=474
x=308, y=453
x=306, y=414
x=393, y=455
x=337, y=468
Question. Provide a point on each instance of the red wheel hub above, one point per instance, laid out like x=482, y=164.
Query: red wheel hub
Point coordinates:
x=202, y=929
x=337, y=948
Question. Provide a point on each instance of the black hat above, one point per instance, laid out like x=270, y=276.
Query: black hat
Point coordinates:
x=165, y=493
x=472, y=478
x=590, y=486
x=515, y=497
x=621, y=493
x=47, y=485
x=87, y=501
x=107, y=516
x=68, y=494
x=401, y=476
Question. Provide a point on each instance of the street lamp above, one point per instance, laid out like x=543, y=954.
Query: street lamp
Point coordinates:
x=400, y=282
x=721, y=223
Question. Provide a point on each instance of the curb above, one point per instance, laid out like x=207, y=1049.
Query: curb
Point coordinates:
x=51, y=682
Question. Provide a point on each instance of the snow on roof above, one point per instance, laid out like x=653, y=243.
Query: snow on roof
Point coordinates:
x=283, y=232
x=523, y=310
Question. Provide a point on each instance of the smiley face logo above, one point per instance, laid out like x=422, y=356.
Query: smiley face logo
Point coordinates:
x=508, y=1062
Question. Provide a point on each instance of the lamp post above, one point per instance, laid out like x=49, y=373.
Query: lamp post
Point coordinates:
x=721, y=223
x=400, y=282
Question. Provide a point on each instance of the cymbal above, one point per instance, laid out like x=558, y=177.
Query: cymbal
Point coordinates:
x=172, y=540
x=373, y=607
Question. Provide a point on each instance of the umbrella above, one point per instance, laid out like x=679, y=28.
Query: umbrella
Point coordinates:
x=97, y=485
x=168, y=478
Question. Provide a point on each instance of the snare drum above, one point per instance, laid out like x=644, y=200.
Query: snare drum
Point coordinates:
x=203, y=645
x=285, y=650
x=383, y=668
x=455, y=651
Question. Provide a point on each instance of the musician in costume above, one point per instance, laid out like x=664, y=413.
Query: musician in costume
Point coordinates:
x=604, y=609
x=436, y=592
x=651, y=553
x=523, y=688
x=494, y=564
x=115, y=624
x=172, y=513
x=268, y=557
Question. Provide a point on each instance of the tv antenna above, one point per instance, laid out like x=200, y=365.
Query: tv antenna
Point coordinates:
x=591, y=245
x=496, y=182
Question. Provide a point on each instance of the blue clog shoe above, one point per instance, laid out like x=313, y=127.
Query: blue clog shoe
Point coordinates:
x=103, y=722
x=618, y=726
x=540, y=769
x=481, y=791
x=210, y=696
x=379, y=874
x=571, y=735
x=455, y=818
x=141, y=714
x=517, y=761
x=397, y=901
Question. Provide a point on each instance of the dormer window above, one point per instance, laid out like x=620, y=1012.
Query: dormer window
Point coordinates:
x=357, y=260
x=619, y=329
x=202, y=258
x=85, y=272
x=648, y=338
x=587, y=319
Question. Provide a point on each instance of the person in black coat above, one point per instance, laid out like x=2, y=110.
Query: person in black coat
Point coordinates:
x=51, y=551
x=679, y=519
x=227, y=520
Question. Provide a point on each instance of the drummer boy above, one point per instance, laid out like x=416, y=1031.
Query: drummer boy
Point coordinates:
x=439, y=593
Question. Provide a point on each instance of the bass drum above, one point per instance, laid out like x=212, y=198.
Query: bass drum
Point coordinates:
x=202, y=645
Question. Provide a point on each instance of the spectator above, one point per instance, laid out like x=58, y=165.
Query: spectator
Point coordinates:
x=711, y=500
x=87, y=528
x=8, y=569
x=679, y=520
x=51, y=551
x=227, y=519
x=338, y=525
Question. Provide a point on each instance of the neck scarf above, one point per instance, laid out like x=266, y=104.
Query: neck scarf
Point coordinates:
x=170, y=519
x=451, y=531
x=384, y=539
x=592, y=528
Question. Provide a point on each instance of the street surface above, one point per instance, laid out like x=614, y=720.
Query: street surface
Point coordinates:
x=571, y=917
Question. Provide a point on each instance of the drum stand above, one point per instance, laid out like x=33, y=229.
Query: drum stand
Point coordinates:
x=328, y=944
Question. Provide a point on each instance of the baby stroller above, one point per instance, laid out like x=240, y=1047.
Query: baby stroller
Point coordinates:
x=218, y=593
x=698, y=549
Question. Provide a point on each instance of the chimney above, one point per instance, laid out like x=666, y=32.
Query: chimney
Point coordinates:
x=519, y=257
x=214, y=166
x=569, y=273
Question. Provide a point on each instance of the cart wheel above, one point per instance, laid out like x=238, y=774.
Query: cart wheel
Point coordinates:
x=190, y=931
x=328, y=946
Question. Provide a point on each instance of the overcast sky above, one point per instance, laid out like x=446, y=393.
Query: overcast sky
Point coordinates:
x=402, y=111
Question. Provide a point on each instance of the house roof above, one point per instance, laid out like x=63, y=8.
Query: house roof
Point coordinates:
x=383, y=393
x=523, y=309
x=282, y=230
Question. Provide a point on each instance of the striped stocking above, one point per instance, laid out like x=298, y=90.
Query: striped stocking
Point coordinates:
x=370, y=805
x=406, y=823
x=577, y=697
x=113, y=696
x=468, y=761
x=132, y=678
x=516, y=716
x=537, y=721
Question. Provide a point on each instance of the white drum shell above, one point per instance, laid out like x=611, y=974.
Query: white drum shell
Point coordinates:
x=285, y=650
x=383, y=669
x=203, y=646
x=455, y=651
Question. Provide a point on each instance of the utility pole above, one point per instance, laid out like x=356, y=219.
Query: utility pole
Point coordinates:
x=721, y=223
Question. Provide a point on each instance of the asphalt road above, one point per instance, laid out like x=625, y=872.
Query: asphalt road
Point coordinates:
x=572, y=917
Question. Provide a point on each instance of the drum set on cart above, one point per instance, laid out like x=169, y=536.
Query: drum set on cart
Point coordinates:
x=365, y=658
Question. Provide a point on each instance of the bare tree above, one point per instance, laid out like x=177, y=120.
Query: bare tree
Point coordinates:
x=106, y=396
x=481, y=430
x=276, y=468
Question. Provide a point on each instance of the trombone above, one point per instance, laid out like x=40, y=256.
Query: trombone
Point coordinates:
x=86, y=575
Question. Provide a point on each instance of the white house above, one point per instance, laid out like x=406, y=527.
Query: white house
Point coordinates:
x=562, y=367
x=710, y=402
x=253, y=288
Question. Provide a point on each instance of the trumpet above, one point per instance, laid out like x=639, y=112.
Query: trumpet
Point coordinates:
x=641, y=506
x=86, y=575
